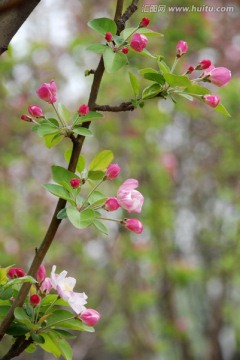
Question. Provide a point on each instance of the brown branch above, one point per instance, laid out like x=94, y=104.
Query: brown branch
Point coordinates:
x=12, y=16
x=77, y=147
x=125, y=106
x=126, y=15
x=17, y=348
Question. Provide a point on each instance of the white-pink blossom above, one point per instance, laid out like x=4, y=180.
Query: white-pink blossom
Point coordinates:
x=128, y=198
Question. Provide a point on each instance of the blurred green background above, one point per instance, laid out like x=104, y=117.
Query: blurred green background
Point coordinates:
x=172, y=293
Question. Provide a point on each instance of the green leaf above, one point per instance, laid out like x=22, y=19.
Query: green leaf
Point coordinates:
x=49, y=299
x=75, y=325
x=96, y=175
x=57, y=316
x=155, y=77
x=3, y=274
x=6, y=294
x=97, y=48
x=81, y=161
x=50, y=345
x=151, y=91
x=62, y=214
x=64, y=333
x=197, y=90
x=92, y=115
x=220, y=108
x=53, y=140
x=53, y=121
x=39, y=339
x=186, y=96
x=135, y=84
x=46, y=129
x=58, y=191
x=127, y=32
x=31, y=348
x=63, y=176
x=177, y=80
x=66, y=349
x=17, y=329
x=147, y=70
x=101, y=161
x=97, y=198
x=3, y=311
x=81, y=219
x=21, y=280
x=145, y=52
x=103, y=25
x=64, y=112
x=82, y=131
x=23, y=318
x=113, y=61
x=163, y=67
x=100, y=226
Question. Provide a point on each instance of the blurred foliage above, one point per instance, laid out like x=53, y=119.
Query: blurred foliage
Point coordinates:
x=173, y=292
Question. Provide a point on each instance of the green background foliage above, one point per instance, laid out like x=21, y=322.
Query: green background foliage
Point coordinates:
x=173, y=292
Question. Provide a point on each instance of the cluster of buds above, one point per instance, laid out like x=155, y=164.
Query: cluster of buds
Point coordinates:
x=138, y=41
x=218, y=76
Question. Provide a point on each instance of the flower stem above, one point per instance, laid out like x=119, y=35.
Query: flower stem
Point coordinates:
x=59, y=116
x=174, y=64
x=95, y=187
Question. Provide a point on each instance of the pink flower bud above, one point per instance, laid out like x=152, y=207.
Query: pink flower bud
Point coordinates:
x=47, y=92
x=90, y=317
x=144, y=22
x=75, y=183
x=112, y=171
x=83, y=110
x=220, y=76
x=190, y=69
x=108, y=36
x=134, y=225
x=212, y=100
x=15, y=273
x=27, y=118
x=111, y=204
x=138, y=42
x=35, y=110
x=204, y=64
x=208, y=70
x=125, y=50
x=181, y=48
x=41, y=273
x=35, y=299
x=46, y=285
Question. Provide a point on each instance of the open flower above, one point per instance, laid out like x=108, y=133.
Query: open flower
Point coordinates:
x=128, y=198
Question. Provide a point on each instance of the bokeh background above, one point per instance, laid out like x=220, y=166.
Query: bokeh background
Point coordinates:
x=172, y=293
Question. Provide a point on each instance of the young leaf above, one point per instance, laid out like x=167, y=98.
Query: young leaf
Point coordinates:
x=3, y=311
x=64, y=333
x=57, y=316
x=113, y=61
x=53, y=121
x=101, y=161
x=177, y=80
x=82, y=131
x=147, y=70
x=22, y=317
x=81, y=160
x=220, y=108
x=21, y=280
x=92, y=115
x=80, y=219
x=58, y=191
x=66, y=349
x=75, y=325
x=97, y=197
x=100, y=226
x=163, y=67
x=63, y=176
x=155, y=77
x=103, y=25
x=197, y=90
x=37, y=338
x=95, y=175
x=52, y=140
x=17, y=329
x=151, y=91
x=50, y=345
x=135, y=84
x=97, y=48
x=46, y=129
x=62, y=214
x=64, y=112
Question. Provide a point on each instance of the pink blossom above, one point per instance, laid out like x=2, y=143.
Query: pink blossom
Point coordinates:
x=112, y=171
x=212, y=100
x=128, y=198
x=90, y=317
x=41, y=273
x=35, y=299
x=208, y=70
x=46, y=286
x=27, y=118
x=83, y=110
x=124, y=50
x=138, y=42
x=35, y=110
x=204, y=64
x=111, y=204
x=219, y=76
x=181, y=48
x=77, y=302
x=134, y=225
x=47, y=92
x=15, y=273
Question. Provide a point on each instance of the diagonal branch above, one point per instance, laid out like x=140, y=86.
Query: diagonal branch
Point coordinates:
x=125, y=106
x=77, y=147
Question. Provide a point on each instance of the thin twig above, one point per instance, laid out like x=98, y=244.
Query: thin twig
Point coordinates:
x=125, y=106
